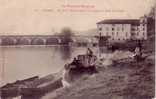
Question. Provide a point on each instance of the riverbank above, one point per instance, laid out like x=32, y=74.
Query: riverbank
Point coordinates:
x=124, y=80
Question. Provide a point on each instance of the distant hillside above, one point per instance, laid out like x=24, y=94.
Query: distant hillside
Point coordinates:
x=91, y=32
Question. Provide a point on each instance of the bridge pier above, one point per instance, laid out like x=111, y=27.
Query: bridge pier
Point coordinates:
x=44, y=41
x=15, y=41
x=59, y=40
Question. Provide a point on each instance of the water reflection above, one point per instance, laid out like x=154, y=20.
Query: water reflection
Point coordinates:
x=65, y=52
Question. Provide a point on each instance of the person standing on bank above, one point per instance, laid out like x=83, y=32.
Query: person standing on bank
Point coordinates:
x=138, y=51
x=89, y=54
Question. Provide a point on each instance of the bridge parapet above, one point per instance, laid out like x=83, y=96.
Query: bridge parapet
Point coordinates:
x=40, y=39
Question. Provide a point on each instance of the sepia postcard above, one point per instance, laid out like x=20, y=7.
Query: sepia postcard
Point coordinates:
x=77, y=49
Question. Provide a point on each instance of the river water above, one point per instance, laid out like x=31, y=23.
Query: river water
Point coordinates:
x=17, y=63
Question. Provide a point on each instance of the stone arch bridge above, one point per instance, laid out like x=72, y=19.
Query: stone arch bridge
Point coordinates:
x=6, y=40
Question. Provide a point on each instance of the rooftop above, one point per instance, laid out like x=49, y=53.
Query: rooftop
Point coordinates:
x=120, y=21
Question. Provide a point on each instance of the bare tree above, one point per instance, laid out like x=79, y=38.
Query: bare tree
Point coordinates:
x=66, y=35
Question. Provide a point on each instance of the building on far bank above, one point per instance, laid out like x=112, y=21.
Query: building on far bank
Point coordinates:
x=120, y=30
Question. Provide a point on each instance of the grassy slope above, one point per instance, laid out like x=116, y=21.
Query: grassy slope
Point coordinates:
x=119, y=81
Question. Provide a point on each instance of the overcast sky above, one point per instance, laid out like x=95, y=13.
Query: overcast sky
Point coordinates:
x=42, y=17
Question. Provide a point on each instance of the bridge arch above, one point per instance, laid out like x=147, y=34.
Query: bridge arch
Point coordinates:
x=52, y=41
x=24, y=41
x=38, y=41
x=8, y=41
